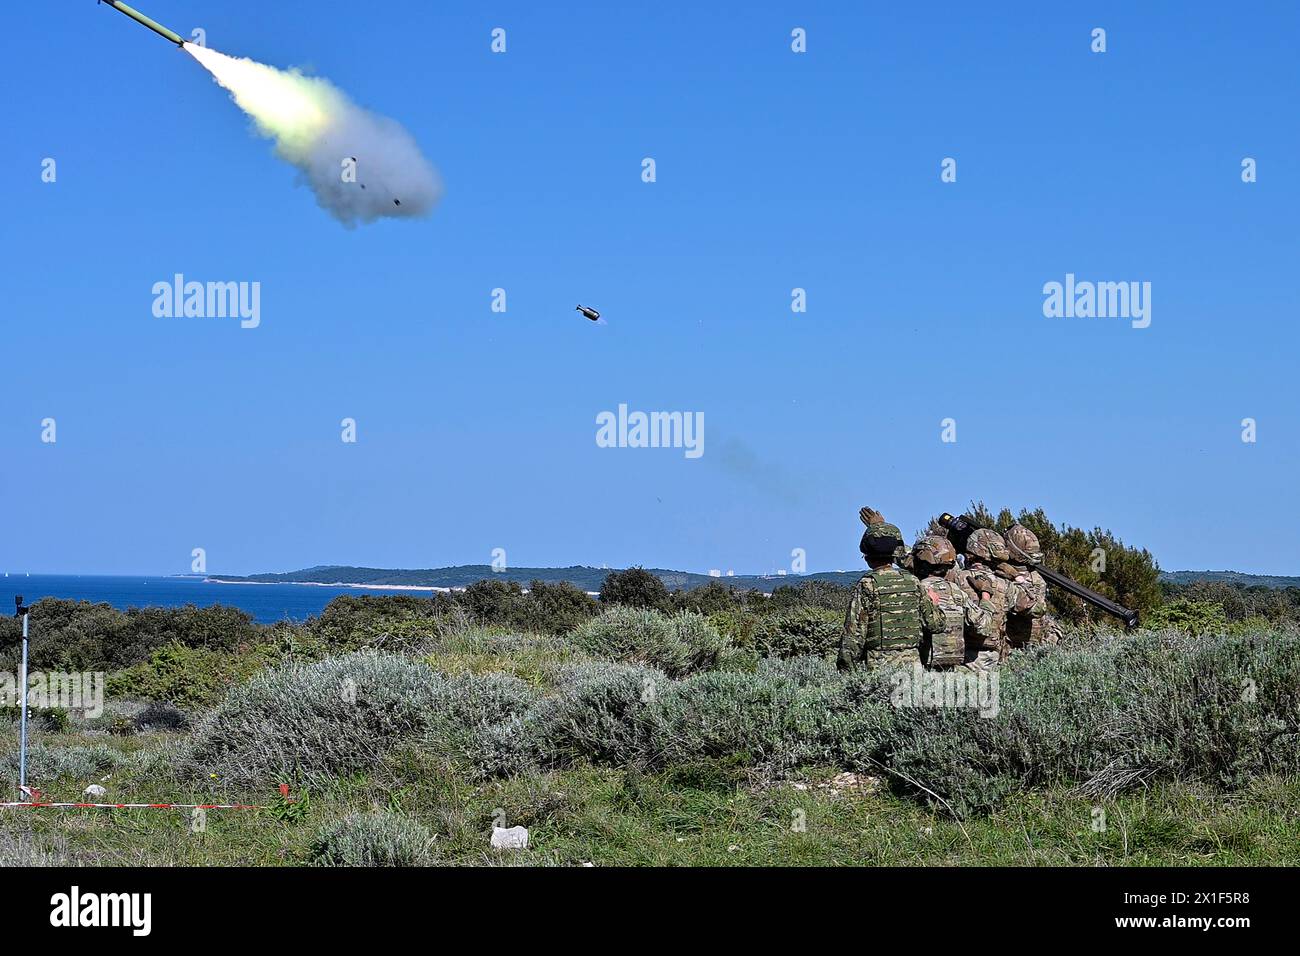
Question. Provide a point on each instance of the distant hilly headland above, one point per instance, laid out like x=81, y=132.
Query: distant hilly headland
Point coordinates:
x=580, y=576
x=590, y=579
x=1239, y=578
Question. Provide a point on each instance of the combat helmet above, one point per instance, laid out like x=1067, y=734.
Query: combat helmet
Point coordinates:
x=1023, y=545
x=881, y=539
x=935, y=551
x=988, y=546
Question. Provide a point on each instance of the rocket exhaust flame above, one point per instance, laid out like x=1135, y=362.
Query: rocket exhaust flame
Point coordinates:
x=360, y=166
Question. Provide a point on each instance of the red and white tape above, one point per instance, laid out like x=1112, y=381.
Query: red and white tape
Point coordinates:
x=136, y=806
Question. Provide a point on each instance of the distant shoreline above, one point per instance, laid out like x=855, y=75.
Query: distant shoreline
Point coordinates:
x=341, y=584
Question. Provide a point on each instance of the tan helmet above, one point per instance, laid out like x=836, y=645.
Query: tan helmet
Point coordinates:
x=1023, y=545
x=934, y=550
x=987, y=545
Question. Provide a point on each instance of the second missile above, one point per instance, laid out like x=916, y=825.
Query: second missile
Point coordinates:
x=139, y=17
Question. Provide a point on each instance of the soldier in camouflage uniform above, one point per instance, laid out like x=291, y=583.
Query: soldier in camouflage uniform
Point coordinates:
x=986, y=551
x=967, y=622
x=1028, y=621
x=889, y=612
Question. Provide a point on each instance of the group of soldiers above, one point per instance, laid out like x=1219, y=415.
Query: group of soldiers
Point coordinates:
x=923, y=606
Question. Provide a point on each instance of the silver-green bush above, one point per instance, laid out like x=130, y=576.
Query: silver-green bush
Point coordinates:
x=316, y=721
x=603, y=712
x=78, y=764
x=1101, y=714
x=373, y=839
x=1111, y=714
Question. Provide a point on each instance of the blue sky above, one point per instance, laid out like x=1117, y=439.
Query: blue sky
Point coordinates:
x=775, y=170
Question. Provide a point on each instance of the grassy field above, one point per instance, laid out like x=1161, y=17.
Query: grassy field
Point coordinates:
x=646, y=738
x=704, y=814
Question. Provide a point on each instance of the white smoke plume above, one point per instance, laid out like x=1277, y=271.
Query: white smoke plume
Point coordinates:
x=360, y=166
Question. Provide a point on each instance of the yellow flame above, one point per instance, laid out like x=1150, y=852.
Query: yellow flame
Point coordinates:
x=287, y=106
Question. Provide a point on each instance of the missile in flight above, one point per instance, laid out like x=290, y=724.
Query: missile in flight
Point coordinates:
x=396, y=201
x=139, y=17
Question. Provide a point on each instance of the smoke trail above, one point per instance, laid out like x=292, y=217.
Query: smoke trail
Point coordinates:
x=361, y=166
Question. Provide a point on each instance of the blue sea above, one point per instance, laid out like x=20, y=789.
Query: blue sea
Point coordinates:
x=267, y=603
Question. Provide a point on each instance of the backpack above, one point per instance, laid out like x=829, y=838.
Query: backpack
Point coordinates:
x=947, y=647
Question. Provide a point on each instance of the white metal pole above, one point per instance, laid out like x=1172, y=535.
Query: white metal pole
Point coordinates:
x=22, y=747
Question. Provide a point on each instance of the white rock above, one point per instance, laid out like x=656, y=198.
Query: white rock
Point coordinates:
x=510, y=838
x=94, y=790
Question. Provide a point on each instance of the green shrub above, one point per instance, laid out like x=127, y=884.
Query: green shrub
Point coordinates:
x=1194, y=617
x=707, y=599
x=51, y=719
x=162, y=717
x=372, y=839
x=799, y=630
x=1249, y=625
x=555, y=608
x=821, y=595
x=737, y=625
x=677, y=645
x=492, y=601
x=1241, y=601
x=190, y=678
x=80, y=636
x=290, y=809
x=635, y=587
x=534, y=658
x=350, y=622
x=544, y=608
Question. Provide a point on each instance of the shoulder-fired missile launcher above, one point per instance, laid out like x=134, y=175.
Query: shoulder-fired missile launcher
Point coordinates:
x=962, y=527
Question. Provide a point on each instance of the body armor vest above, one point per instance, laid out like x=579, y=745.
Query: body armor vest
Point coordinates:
x=897, y=623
